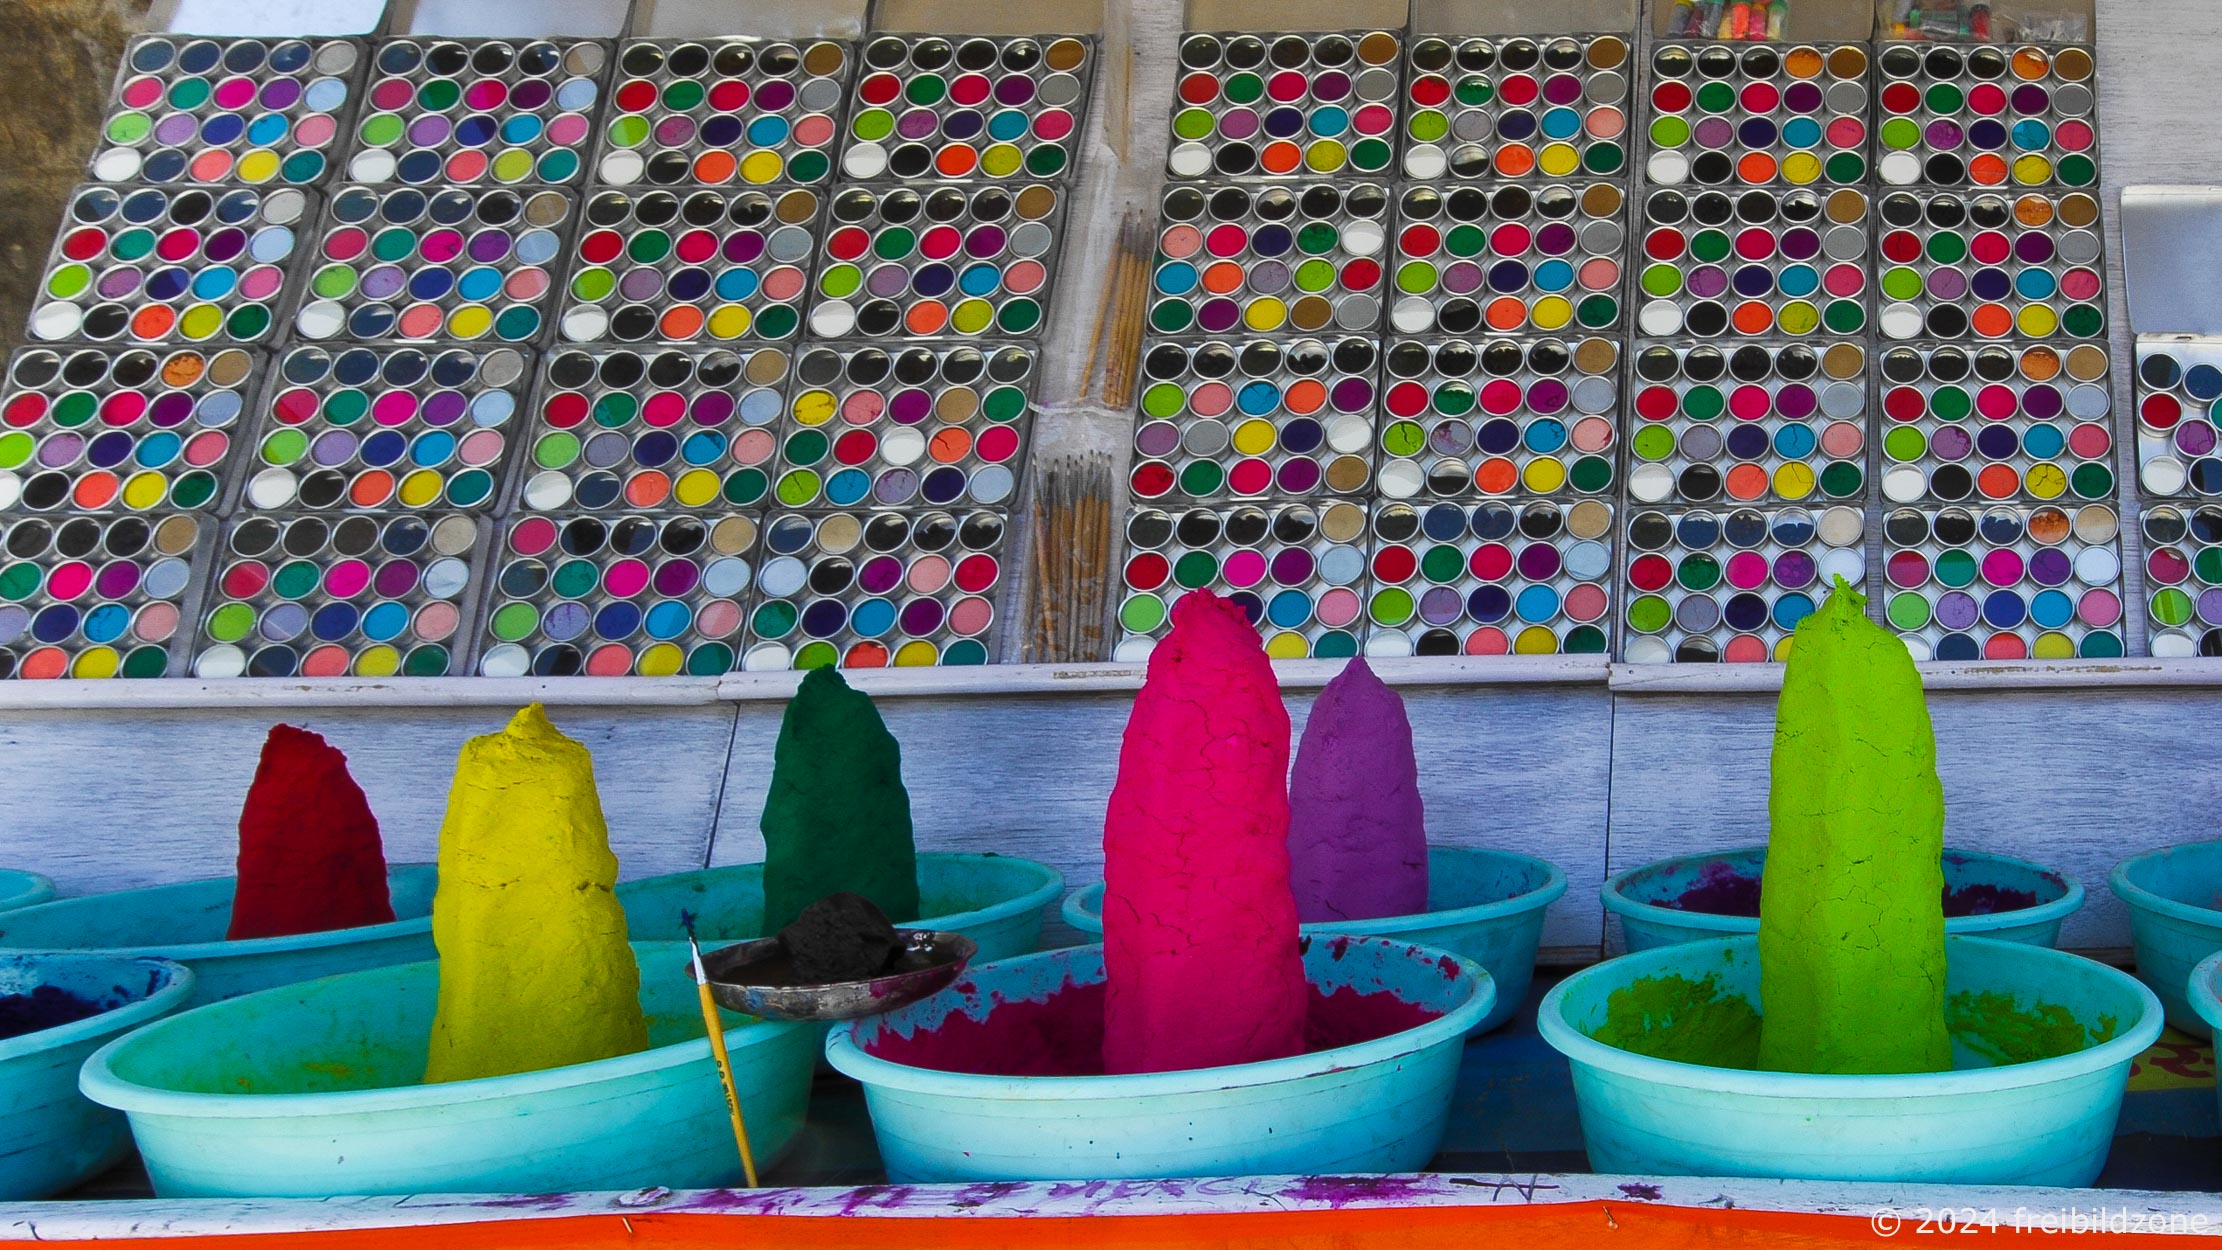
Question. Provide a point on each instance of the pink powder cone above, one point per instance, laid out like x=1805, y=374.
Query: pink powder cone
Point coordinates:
x=1199, y=926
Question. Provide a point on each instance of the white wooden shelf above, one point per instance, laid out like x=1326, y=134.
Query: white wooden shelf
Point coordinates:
x=995, y=681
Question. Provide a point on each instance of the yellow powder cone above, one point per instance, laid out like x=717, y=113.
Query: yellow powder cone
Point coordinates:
x=534, y=969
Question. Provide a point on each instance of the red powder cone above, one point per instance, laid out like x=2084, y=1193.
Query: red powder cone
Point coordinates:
x=309, y=855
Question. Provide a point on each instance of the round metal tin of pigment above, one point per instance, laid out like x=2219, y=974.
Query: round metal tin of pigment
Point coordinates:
x=100, y=429
x=1297, y=570
x=878, y=589
x=248, y=111
x=358, y=428
x=719, y=112
x=624, y=430
x=1490, y=579
x=648, y=595
x=1319, y=104
x=1249, y=418
x=1731, y=585
x=94, y=596
x=139, y=264
x=1519, y=108
x=1739, y=424
x=479, y=111
x=1498, y=418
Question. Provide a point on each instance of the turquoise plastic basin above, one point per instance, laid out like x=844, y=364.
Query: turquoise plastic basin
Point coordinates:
x=186, y=922
x=23, y=889
x=2049, y=1122
x=1487, y=906
x=1637, y=897
x=996, y=900
x=2206, y=997
x=2174, y=896
x=312, y=1090
x=1379, y=1106
x=51, y=1138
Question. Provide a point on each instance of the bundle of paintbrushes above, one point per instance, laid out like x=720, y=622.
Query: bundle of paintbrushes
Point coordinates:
x=1072, y=551
x=1117, y=338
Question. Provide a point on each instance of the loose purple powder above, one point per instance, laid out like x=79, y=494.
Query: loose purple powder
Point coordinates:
x=1723, y=891
x=46, y=1007
x=1720, y=891
x=1986, y=900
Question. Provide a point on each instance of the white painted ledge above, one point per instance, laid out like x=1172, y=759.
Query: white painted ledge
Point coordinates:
x=2128, y=674
x=190, y=693
x=650, y=692
x=992, y=681
x=1107, y=678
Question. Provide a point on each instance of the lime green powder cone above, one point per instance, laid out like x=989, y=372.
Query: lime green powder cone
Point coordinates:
x=1851, y=920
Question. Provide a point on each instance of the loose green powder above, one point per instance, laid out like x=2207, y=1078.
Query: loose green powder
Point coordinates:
x=1682, y=1020
x=1688, y=1021
x=837, y=817
x=1851, y=921
x=1993, y=1026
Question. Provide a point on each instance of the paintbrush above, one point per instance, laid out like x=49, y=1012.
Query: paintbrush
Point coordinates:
x=1099, y=557
x=1098, y=332
x=1118, y=311
x=1117, y=306
x=1038, y=644
x=1132, y=311
x=1071, y=512
x=1089, y=574
x=1048, y=561
x=716, y=1032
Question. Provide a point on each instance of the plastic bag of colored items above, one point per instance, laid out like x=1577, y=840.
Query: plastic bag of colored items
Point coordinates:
x=1970, y=21
x=1738, y=21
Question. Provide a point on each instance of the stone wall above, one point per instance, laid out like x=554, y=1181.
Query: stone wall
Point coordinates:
x=57, y=59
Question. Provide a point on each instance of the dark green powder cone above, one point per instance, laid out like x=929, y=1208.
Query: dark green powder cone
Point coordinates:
x=837, y=817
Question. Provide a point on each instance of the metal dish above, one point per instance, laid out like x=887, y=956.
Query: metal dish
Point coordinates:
x=751, y=977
